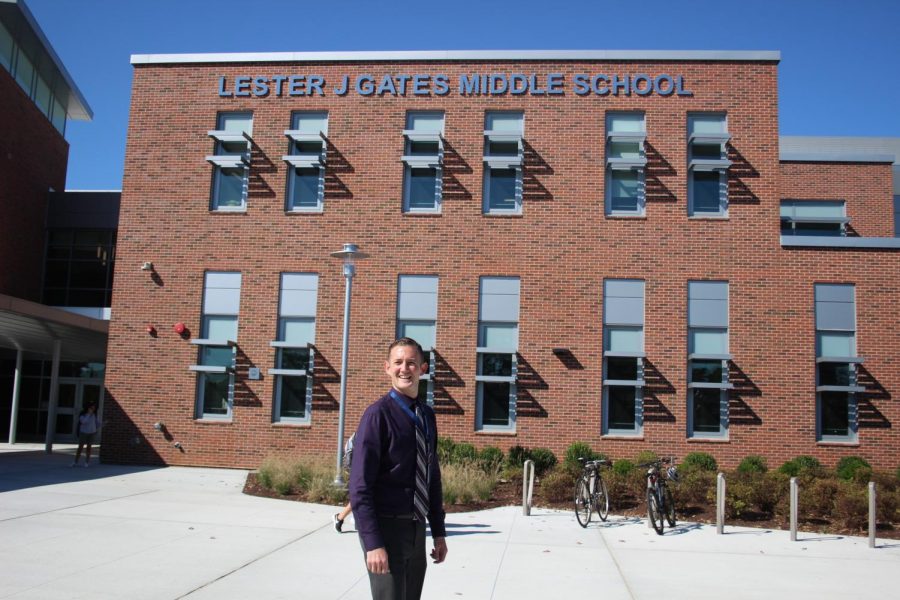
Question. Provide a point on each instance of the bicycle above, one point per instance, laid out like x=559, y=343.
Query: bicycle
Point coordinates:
x=590, y=491
x=660, y=503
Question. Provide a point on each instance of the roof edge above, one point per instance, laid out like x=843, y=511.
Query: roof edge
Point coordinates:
x=836, y=157
x=470, y=55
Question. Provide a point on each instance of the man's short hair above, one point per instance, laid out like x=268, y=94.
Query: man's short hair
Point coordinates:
x=405, y=341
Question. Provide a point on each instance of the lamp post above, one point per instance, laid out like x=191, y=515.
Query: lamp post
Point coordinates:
x=349, y=254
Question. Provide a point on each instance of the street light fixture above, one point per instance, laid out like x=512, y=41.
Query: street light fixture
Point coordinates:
x=349, y=254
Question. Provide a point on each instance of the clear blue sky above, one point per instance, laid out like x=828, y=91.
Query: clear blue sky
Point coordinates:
x=839, y=72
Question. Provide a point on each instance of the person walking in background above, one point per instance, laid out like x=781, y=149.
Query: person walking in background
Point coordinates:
x=395, y=481
x=88, y=425
x=339, y=517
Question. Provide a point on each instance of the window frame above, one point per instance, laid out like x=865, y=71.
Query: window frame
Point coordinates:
x=852, y=361
x=498, y=162
x=202, y=369
x=414, y=160
x=223, y=160
x=614, y=165
x=698, y=165
x=792, y=219
x=724, y=386
x=297, y=160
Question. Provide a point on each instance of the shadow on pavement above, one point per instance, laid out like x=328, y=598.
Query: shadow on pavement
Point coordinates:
x=35, y=468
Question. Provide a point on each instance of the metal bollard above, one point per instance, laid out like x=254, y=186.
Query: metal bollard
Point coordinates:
x=720, y=503
x=872, y=514
x=527, y=486
x=795, y=496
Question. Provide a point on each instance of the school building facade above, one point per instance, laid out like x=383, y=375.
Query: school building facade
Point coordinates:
x=605, y=247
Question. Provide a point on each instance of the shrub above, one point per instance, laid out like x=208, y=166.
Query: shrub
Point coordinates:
x=466, y=482
x=575, y=451
x=851, y=506
x=490, y=458
x=699, y=461
x=696, y=488
x=445, y=450
x=623, y=467
x=463, y=452
x=543, y=458
x=557, y=486
x=817, y=498
x=849, y=465
x=739, y=496
x=517, y=456
x=281, y=474
x=887, y=505
x=625, y=489
x=753, y=464
x=646, y=456
x=898, y=473
x=801, y=465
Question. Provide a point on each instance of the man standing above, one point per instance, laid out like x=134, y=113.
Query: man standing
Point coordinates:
x=395, y=481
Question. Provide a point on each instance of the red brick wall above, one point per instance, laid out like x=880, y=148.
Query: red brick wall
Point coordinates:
x=866, y=188
x=562, y=247
x=33, y=158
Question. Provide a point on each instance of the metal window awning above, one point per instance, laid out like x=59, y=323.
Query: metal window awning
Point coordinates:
x=701, y=356
x=305, y=160
x=502, y=136
x=229, y=161
x=210, y=369
x=709, y=138
x=710, y=386
x=305, y=136
x=419, y=136
x=33, y=328
x=840, y=388
x=627, y=136
x=230, y=137
x=710, y=164
x=422, y=160
x=495, y=350
x=626, y=164
x=835, y=220
x=503, y=162
x=840, y=359
x=207, y=342
x=496, y=378
x=624, y=382
x=614, y=354
x=289, y=372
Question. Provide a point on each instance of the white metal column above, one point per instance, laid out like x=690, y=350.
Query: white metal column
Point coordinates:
x=17, y=388
x=54, y=397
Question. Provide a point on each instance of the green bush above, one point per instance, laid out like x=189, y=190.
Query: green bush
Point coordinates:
x=463, y=452
x=517, y=456
x=578, y=450
x=445, y=450
x=817, y=497
x=466, y=482
x=849, y=465
x=491, y=458
x=623, y=466
x=898, y=473
x=753, y=464
x=543, y=458
x=802, y=465
x=625, y=489
x=699, y=461
x=646, y=456
x=697, y=488
x=283, y=475
x=557, y=486
x=851, y=506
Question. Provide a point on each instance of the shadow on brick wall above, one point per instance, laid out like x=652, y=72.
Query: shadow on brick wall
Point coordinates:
x=527, y=381
x=534, y=165
x=243, y=395
x=657, y=166
x=323, y=372
x=336, y=164
x=655, y=385
x=738, y=191
x=454, y=165
x=123, y=440
x=260, y=165
x=445, y=379
x=739, y=412
x=868, y=415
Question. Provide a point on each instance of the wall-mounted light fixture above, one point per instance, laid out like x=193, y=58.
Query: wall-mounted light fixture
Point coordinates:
x=179, y=328
x=159, y=425
x=151, y=330
x=147, y=266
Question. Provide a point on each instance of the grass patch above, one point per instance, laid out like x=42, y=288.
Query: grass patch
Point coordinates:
x=310, y=477
x=467, y=482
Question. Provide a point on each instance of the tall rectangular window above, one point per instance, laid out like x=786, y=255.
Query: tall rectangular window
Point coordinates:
x=306, y=161
x=708, y=165
x=294, y=354
x=503, y=156
x=417, y=319
x=7, y=48
x=814, y=217
x=708, y=359
x=498, y=344
x=231, y=161
x=623, y=356
x=423, y=159
x=625, y=163
x=836, y=362
x=216, y=354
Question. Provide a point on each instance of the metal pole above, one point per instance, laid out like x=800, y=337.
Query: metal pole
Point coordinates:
x=795, y=497
x=54, y=398
x=872, y=514
x=349, y=270
x=720, y=503
x=17, y=389
x=527, y=486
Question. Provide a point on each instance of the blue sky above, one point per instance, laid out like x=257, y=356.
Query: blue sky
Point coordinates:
x=839, y=72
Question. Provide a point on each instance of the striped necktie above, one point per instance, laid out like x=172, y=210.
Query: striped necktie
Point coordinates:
x=420, y=496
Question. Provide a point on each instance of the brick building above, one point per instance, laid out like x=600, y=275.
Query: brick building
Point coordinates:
x=594, y=246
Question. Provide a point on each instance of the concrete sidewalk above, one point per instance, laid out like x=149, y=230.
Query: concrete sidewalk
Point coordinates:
x=163, y=533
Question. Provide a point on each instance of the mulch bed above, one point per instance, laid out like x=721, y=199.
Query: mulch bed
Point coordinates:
x=509, y=493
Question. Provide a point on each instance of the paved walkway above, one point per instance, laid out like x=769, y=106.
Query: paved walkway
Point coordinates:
x=164, y=533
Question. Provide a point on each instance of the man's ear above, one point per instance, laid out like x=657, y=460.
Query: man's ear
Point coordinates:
x=423, y=368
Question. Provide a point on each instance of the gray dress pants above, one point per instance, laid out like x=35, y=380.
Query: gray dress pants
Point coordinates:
x=404, y=540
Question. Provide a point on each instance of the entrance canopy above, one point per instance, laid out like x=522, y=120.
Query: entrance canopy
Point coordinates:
x=33, y=328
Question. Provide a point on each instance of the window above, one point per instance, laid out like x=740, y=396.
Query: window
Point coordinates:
x=306, y=161
x=814, y=217
x=498, y=343
x=623, y=356
x=417, y=319
x=215, y=365
x=231, y=161
x=24, y=72
x=78, y=270
x=836, y=360
x=708, y=165
x=625, y=162
x=294, y=354
x=503, y=153
x=423, y=158
x=7, y=47
x=708, y=359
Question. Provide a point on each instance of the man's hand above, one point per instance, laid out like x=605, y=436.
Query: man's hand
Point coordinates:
x=377, y=561
x=440, y=550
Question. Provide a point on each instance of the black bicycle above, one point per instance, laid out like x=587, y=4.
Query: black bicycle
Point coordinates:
x=660, y=503
x=590, y=491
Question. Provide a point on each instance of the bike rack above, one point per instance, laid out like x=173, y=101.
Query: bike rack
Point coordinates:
x=872, y=514
x=795, y=496
x=720, y=503
x=527, y=486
